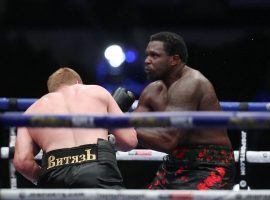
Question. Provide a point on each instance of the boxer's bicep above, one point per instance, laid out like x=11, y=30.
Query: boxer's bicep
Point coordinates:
x=143, y=103
x=209, y=100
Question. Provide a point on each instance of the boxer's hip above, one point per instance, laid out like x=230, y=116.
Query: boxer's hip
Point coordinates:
x=91, y=165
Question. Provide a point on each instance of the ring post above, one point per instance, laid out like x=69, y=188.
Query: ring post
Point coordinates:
x=12, y=171
x=243, y=161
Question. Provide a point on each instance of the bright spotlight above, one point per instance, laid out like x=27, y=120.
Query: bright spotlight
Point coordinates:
x=131, y=56
x=115, y=55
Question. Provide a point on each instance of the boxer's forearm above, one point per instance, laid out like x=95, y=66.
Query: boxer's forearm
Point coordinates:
x=126, y=139
x=29, y=169
x=159, y=139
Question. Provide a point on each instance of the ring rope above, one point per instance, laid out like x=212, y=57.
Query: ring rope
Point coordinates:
x=201, y=119
x=21, y=104
x=151, y=155
x=101, y=194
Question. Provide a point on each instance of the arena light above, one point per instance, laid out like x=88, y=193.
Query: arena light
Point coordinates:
x=115, y=55
x=131, y=56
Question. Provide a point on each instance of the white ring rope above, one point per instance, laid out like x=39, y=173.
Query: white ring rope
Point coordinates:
x=151, y=155
x=101, y=194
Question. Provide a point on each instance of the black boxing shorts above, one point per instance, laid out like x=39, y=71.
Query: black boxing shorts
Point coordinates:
x=86, y=166
x=200, y=167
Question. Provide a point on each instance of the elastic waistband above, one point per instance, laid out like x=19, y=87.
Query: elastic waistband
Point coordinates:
x=75, y=155
x=70, y=156
x=204, y=153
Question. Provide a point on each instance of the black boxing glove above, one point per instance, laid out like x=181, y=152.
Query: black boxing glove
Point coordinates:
x=123, y=98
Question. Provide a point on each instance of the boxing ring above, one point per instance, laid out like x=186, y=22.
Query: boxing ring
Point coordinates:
x=235, y=115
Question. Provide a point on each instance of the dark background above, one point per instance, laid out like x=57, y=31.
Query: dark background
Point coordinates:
x=228, y=41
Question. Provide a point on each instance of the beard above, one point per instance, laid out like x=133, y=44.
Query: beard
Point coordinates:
x=153, y=77
x=156, y=75
x=150, y=77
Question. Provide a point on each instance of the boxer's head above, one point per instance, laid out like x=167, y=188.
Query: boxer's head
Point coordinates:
x=173, y=44
x=165, y=52
x=63, y=76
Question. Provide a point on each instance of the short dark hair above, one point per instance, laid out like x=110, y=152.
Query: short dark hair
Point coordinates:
x=173, y=44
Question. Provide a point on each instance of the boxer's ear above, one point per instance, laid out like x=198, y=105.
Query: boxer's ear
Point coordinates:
x=175, y=60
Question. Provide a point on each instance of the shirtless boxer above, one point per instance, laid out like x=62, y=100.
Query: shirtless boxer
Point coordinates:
x=72, y=157
x=198, y=158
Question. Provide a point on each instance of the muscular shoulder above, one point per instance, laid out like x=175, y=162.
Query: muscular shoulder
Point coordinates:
x=155, y=86
x=208, y=100
x=157, y=83
x=199, y=80
x=93, y=90
x=194, y=75
x=43, y=102
x=153, y=97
